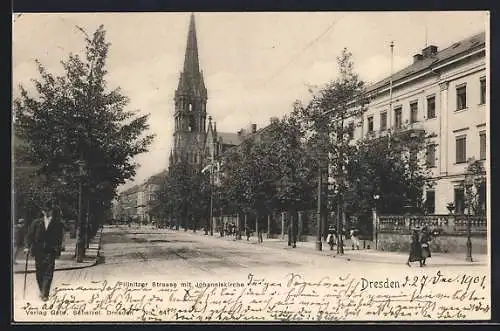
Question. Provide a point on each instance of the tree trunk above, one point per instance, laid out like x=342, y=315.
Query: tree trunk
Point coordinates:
x=268, y=225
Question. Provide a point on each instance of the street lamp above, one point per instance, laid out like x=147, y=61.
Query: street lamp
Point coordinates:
x=211, y=202
x=376, y=197
x=340, y=243
x=468, y=187
x=320, y=194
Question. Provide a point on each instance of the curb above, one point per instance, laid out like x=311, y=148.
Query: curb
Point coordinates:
x=72, y=267
x=403, y=262
x=346, y=257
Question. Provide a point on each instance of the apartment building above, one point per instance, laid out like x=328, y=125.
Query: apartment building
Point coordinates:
x=443, y=92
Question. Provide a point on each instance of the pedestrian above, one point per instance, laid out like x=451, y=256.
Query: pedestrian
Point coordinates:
x=289, y=232
x=330, y=239
x=247, y=230
x=354, y=233
x=415, y=249
x=260, y=239
x=43, y=242
x=425, y=238
x=19, y=234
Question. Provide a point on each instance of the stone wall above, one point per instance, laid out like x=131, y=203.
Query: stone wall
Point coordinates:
x=394, y=242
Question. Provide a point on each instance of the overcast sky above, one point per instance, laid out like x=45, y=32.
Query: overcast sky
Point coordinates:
x=255, y=64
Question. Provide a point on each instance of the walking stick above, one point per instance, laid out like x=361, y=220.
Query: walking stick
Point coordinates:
x=26, y=272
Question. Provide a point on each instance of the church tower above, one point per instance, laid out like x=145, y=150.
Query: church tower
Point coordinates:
x=190, y=107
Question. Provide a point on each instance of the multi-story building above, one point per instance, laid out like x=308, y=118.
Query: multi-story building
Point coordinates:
x=127, y=201
x=443, y=92
x=148, y=197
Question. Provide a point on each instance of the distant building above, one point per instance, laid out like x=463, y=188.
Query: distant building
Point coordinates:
x=148, y=197
x=127, y=201
x=137, y=203
x=444, y=93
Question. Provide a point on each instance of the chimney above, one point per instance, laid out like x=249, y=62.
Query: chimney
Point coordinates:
x=417, y=57
x=429, y=51
x=273, y=120
x=254, y=128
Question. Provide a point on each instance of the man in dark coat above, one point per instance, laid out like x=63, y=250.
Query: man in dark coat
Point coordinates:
x=43, y=242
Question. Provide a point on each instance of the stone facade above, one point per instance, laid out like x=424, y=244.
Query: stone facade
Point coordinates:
x=444, y=93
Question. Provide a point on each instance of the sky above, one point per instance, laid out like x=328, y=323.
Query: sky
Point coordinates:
x=255, y=64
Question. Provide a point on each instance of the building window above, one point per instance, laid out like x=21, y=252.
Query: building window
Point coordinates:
x=383, y=121
x=431, y=107
x=483, y=91
x=430, y=202
x=414, y=112
x=461, y=97
x=398, y=118
x=431, y=155
x=459, y=200
x=482, y=145
x=370, y=124
x=461, y=150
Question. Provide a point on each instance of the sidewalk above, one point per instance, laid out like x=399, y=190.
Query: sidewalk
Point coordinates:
x=361, y=255
x=66, y=261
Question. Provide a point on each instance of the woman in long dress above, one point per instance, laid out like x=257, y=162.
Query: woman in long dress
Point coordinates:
x=415, y=249
x=425, y=238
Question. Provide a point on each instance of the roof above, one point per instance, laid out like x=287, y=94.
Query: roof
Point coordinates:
x=134, y=189
x=157, y=178
x=476, y=41
x=229, y=138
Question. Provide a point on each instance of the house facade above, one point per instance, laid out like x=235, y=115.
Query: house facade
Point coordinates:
x=443, y=92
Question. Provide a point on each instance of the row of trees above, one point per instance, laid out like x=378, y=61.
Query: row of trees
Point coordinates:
x=185, y=196
x=280, y=169
x=77, y=140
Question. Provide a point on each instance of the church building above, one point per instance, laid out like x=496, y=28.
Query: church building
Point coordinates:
x=196, y=139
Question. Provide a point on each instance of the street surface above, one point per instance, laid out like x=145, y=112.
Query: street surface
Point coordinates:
x=148, y=254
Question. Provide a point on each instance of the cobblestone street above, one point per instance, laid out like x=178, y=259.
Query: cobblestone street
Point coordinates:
x=136, y=254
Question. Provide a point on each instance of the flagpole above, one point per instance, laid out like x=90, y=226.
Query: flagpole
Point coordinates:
x=211, y=200
x=390, y=95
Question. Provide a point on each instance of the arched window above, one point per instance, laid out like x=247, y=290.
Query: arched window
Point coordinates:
x=190, y=107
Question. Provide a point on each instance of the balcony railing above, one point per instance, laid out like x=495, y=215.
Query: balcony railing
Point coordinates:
x=444, y=224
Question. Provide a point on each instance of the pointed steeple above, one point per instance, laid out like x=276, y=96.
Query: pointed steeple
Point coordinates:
x=191, y=80
x=190, y=104
x=191, y=62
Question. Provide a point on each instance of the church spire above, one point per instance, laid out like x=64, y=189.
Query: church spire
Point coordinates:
x=191, y=62
x=191, y=78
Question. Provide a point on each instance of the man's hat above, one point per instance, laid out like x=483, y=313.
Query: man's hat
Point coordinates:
x=49, y=205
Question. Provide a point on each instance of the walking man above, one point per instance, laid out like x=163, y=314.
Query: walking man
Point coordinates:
x=354, y=233
x=43, y=242
x=331, y=237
